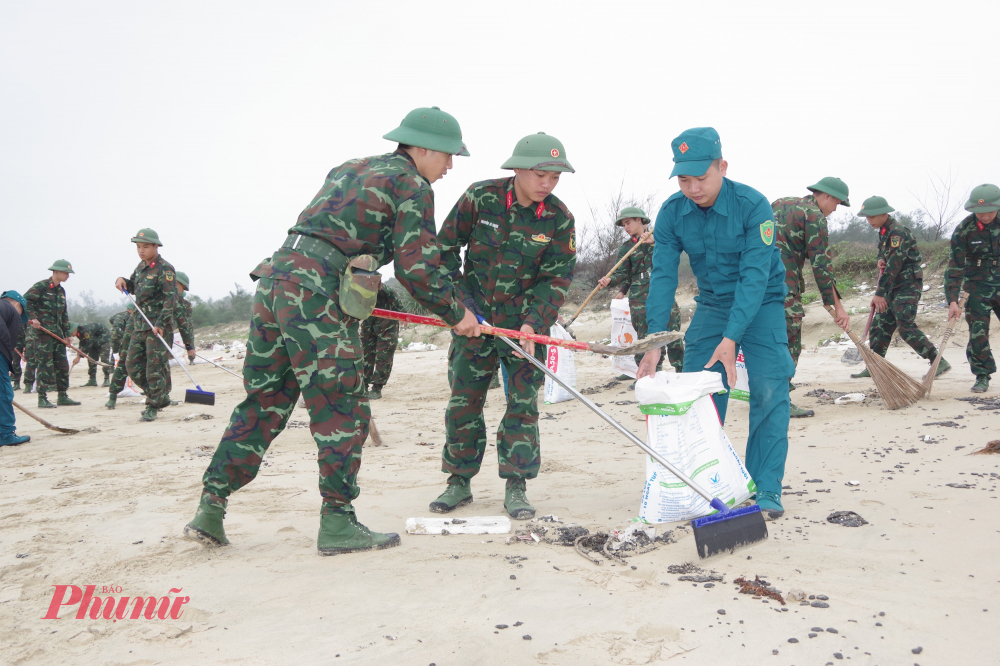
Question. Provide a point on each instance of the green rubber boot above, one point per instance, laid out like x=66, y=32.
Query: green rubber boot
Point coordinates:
x=92, y=382
x=982, y=384
x=64, y=400
x=207, y=524
x=623, y=378
x=342, y=533
x=458, y=493
x=943, y=367
x=27, y=388
x=863, y=373
x=15, y=385
x=516, y=500
x=149, y=414
x=798, y=412
x=110, y=404
x=375, y=393
x=770, y=505
x=43, y=402
x=107, y=383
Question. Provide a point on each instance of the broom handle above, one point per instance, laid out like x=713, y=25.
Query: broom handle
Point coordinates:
x=153, y=329
x=854, y=338
x=871, y=314
x=610, y=273
x=489, y=330
x=66, y=342
x=963, y=296
x=212, y=362
x=68, y=431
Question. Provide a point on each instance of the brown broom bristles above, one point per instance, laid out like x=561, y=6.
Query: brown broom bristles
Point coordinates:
x=929, y=379
x=896, y=387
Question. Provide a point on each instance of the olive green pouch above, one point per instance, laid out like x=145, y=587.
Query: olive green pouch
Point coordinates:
x=359, y=287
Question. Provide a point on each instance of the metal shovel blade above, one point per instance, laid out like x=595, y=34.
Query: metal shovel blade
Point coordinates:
x=649, y=342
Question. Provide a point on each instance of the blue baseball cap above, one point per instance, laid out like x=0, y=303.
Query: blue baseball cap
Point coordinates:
x=20, y=299
x=695, y=150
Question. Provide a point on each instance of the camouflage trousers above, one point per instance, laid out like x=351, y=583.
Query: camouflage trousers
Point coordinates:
x=100, y=351
x=148, y=364
x=794, y=312
x=379, y=338
x=901, y=314
x=300, y=342
x=983, y=299
x=471, y=364
x=51, y=366
x=15, y=364
x=121, y=367
x=675, y=350
x=29, y=356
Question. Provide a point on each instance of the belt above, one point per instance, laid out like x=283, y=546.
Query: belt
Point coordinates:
x=314, y=248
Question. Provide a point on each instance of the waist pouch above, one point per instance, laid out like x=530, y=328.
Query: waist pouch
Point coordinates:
x=360, y=279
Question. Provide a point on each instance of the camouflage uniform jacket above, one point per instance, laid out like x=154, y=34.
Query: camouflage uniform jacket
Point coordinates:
x=898, y=248
x=975, y=256
x=379, y=206
x=633, y=274
x=47, y=304
x=387, y=299
x=519, y=262
x=802, y=234
x=182, y=315
x=153, y=287
x=96, y=334
x=118, y=322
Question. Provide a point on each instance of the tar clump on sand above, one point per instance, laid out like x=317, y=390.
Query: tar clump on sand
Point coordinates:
x=759, y=588
x=846, y=518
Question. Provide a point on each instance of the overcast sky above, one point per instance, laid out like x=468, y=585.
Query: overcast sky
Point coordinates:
x=216, y=122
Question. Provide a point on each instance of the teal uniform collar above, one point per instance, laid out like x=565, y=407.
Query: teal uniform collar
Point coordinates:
x=721, y=205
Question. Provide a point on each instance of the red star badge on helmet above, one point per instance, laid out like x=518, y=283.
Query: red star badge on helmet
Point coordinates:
x=555, y=152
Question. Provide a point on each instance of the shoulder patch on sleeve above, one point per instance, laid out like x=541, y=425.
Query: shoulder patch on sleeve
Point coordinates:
x=767, y=232
x=572, y=241
x=895, y=240
x=169, y=276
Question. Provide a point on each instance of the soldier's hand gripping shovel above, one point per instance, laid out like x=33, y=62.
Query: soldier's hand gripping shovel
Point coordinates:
x=197, y=396
x=640, y=347
x=720, y=532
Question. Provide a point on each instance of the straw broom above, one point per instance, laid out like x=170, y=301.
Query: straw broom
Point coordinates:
x=929, y=379
x=896, y=387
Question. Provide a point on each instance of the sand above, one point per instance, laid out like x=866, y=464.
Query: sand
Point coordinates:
x=107, y=507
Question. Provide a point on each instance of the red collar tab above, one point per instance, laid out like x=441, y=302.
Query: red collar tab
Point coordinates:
x=52, y=285
x=510, y=199
x=152, y=264
x=539, y=209
x=980, y=225
x=883, y=231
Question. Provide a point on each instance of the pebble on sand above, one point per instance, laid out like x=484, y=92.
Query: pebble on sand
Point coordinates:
x=793, y=640
x=526, y=637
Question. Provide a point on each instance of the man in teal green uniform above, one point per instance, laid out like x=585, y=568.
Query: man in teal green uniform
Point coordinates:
x=727, y=230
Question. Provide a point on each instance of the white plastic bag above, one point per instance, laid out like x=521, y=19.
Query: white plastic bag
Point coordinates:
x=742, y=389
x=683, y=426
x=559, y=361
x=622, y=334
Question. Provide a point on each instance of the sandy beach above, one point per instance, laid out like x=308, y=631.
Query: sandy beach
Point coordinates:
x=106, y=507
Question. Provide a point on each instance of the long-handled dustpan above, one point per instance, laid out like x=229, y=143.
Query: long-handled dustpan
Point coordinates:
x=722, y=532
x=197, y=396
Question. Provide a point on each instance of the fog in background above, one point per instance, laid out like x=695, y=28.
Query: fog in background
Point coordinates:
x=216, y=122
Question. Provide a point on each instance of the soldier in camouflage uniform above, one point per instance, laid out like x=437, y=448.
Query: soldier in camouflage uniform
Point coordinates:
x=801, y=233
x=154, y=289
x=15, y=364
x=632, y=278
x=29, y=358
x=305, y=334
x=182, y=315
x=121, y=332
x=47, y=308
x=95, y=342
x=520, y=250
x=899, y=288
x=380, y=337
x=975, y=259
x=118, y=323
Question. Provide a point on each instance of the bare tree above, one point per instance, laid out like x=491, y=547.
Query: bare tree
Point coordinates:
x=940, y=205
x=600, y=238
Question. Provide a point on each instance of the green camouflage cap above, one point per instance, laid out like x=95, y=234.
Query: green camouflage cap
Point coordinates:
x=147, y=236
x=62, y=265
x=539, y=152
x=631, y=211
x=875, y=206
x=430, y=128
x=835, y=187
x=983, y=199
x=694, y=151
x=183, y=279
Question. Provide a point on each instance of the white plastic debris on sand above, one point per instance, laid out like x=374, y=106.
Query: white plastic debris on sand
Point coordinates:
x=849, y=398
x=470, y=525
x=419, y=347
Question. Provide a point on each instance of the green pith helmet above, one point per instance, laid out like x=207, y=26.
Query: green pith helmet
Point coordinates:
x=835, y=187
x=62, y=265
x=983, y=199
x=539, y=152
x=875, y=206
x=73, y=326
x=631, y=211
x=130, y=306
x=182, y=278
x=147, y=236
x=430, y=128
